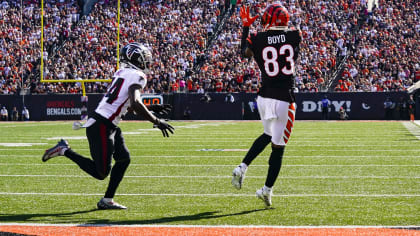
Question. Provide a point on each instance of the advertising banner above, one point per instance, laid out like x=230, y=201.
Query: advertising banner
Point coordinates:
x=223, y=106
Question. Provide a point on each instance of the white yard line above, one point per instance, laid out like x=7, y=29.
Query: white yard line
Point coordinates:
x=234, y=156
x=289, y=149
x=215, y=194
x=216, y=165
x=34, y=124
x=21, y=144
x=231, y=136
x=412, y=128
x=223, y=177
x=218, y=143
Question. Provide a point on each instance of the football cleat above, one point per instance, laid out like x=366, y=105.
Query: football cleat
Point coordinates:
x=104, y=205
x=265, y=196
x=238, y=177
x=57, y=150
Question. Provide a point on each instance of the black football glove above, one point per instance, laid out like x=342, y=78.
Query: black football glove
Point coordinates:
x=163, y=109
x=164, y=127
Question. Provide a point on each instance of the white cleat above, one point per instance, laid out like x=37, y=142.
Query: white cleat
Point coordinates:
x=238, y=177
x=265, y=196
x=104, y=205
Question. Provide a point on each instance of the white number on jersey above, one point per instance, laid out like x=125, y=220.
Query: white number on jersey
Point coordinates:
x=270, y=55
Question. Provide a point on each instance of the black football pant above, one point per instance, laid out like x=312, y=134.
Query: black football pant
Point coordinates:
x=105, y=142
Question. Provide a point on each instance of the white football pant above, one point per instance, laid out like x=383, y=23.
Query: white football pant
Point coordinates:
x=277, y=118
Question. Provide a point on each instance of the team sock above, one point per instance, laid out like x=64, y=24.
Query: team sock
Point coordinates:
x=274, y=166
x=267, y=189
x=257, y=147
x=107, y=200
x=117, y=174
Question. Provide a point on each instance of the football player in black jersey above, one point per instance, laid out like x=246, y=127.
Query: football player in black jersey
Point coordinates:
x=275, y=50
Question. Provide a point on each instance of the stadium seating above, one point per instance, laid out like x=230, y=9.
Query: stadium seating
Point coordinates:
x=345, y=47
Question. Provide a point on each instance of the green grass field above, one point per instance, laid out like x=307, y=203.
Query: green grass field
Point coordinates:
x=334, y=173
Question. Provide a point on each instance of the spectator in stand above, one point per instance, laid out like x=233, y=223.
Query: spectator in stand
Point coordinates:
x=382, y=47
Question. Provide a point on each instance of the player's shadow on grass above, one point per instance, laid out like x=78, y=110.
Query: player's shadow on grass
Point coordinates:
x=29, y=217
x=199, y=216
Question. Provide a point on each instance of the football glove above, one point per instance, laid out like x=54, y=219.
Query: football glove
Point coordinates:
x=164, y=127
x=247, y=20
x=163, y=109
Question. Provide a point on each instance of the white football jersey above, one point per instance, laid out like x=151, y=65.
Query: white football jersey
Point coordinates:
x=116, y=100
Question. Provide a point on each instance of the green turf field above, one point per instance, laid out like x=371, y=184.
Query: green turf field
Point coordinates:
x=334, y=173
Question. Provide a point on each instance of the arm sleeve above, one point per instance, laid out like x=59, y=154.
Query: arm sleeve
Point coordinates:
x=244, y=42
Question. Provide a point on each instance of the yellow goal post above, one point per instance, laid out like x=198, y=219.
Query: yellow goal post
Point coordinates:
x=83, y=81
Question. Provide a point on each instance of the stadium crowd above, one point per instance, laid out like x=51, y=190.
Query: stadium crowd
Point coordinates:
x=379, y=48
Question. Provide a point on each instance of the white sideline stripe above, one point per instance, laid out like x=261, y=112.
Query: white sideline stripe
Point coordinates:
x=232, y=156
x=193, y=165
x=227, y=176
x=216, y=194
x=222, y=226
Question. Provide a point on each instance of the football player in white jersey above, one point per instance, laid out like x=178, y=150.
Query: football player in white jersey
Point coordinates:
x=105, y=138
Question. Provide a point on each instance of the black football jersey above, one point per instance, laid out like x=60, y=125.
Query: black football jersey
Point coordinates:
x=276, y=52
